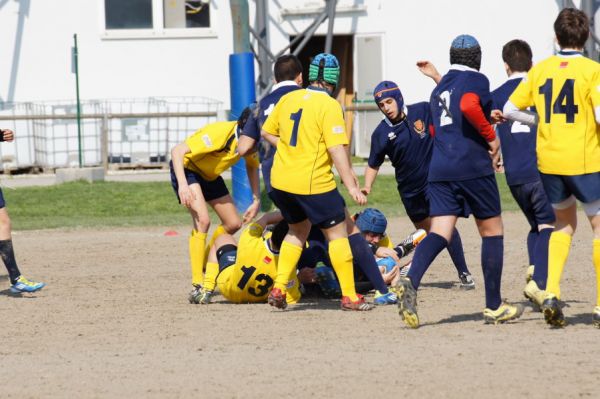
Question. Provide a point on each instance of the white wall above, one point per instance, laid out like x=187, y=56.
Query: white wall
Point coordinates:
x=198, y=66
x=424, y=29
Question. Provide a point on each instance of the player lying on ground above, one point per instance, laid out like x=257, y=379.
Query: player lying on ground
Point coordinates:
x=517, y=141
x=461, y=180
x=196, y=166
x=18, y=283
x=308, y=129
x=565, y=89
x=245, y=271
x=372, y=224
x=404, y=136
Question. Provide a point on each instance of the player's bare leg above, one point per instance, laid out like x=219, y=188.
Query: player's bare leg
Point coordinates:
x=201, y=223
x=289, y=253
x=228, y=214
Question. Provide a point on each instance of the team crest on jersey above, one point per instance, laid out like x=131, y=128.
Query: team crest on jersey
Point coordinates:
x=207, y=140
x=267, y=260
x=419, y=128
x=391, y=136
x=564, y=64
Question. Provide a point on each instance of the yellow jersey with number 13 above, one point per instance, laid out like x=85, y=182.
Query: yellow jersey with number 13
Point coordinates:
x=565, y=90
x=251, y=278
x=308, y=122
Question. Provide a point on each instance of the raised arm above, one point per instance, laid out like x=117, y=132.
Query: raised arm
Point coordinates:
x=429, y=70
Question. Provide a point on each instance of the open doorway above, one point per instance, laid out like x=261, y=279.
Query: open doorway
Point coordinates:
x=342, y=47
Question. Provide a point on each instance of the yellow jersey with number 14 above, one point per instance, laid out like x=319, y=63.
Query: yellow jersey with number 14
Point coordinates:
x=308, y=122
x=565, y=90
x=251, y=278
x=214, y=150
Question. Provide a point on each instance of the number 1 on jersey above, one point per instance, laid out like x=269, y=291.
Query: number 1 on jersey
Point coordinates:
x=296, y=118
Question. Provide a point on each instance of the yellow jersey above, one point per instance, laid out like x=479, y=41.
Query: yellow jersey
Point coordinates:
x=252, y=276
x=308, y=122
x=214, y=150
x=565, y=89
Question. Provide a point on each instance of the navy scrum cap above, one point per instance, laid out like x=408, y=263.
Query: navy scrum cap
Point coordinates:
x=372, y=220
x=388, y=89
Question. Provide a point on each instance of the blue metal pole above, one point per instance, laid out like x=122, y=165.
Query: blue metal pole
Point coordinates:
x=243, y=93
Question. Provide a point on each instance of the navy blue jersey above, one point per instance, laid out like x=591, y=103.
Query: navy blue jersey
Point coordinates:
x=265, y=105
x=517, y=140
x=459, y=151
x=408, y=145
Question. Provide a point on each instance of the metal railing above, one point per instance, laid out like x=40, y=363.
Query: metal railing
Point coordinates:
x=123, y=132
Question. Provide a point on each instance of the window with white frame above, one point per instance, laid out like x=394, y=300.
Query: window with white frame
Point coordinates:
x=152, y=18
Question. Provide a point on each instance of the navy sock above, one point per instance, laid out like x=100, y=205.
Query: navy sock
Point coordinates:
x=455, y=249
x=492, y=259
x=8, y=257
x=532, y=238
x=540, y=272
x=425, y=253
x=364, y=259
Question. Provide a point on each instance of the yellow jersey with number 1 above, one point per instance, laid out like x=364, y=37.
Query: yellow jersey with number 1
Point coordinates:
x=565, y=90
x=308, y=122
x=214, y=150
x=251, y=278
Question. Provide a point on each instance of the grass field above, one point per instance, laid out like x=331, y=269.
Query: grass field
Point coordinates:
x=82, y=204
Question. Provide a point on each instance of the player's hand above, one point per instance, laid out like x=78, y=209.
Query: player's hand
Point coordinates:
x=494, y=152
x=497, y=117
x=384, y=252
x=186, y=196
x=366, y=190
x=251, y=212
x=389, y=277
x=8, y=135
x=307, y=275
x=429, y=70
x=357, y=196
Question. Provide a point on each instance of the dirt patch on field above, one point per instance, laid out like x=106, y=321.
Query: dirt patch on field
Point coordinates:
x=114, y=322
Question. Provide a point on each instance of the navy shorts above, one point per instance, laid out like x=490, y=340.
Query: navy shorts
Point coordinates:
x=586, y=188
x=323, y=210
x=211, y=190
x=226, y=256
x=478, y=196
x=2, y=202
x=534, y=203
x=417, y=207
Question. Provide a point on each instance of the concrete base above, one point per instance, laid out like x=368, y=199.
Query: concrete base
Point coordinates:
x=72, y=174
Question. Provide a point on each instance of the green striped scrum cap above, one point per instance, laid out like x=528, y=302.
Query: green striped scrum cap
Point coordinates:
x=324, y=67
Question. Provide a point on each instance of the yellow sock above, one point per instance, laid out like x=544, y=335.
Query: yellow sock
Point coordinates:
x=596, y=257
x=558, y=251
x=210, y=276
x=196, y=246
x=341, y=260
x=286, y=265
x=218, y=231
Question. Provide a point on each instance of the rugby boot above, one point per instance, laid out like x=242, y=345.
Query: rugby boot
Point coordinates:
x=277, y=299
x=504, y=313
x=552, y=312
x=24, y=285
x=407, y=302
x=466, y=281
x=529, y=275
x=534, y=294
x=410, y=243
x=389, y=298
x=205, y=297
x=360, y=304
x=596, y=317
x=195, y=294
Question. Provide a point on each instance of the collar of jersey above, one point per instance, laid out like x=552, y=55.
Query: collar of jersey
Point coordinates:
x=389, y=122
x=317, y=89
x=282, y=84
x=460, y=67
x=517, y=75
x=569, y=53
x=267, y=241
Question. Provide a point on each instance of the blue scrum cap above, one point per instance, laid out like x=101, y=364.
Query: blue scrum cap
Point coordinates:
x=388, y=89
